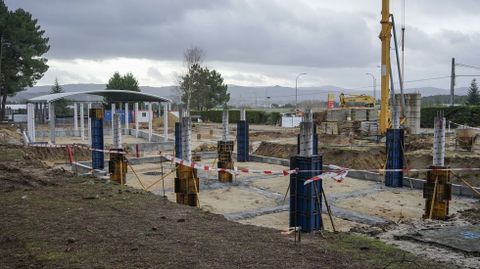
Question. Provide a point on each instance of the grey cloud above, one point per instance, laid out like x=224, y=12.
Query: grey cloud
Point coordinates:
x=282, y=33
x=232, y=31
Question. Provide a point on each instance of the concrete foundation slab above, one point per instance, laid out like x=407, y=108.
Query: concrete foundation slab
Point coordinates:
x=465, y=239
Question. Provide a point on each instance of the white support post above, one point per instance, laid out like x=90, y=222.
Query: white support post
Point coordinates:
x=51, y=118
x=150, y=121
x=165, y=122
x=29, y=121
x=89, y=124
x=82, y=122
x=136, y=120
x=112, y=113
x=32, y=139
x=127, y=117
x=75, y=119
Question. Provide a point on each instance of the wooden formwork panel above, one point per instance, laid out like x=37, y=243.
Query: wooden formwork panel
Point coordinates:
x=187, y=199
x=187, y=185
x=437, y=190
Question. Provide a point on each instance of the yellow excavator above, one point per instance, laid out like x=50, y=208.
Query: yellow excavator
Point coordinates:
x=367, y=100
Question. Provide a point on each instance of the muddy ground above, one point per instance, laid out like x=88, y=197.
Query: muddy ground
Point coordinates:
x=51, y=218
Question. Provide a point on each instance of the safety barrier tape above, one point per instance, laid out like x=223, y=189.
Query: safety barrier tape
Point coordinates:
x=77, y=145
x=334, y=172
x=465, y=126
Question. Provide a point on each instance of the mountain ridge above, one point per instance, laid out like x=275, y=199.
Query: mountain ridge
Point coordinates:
x=241, y=95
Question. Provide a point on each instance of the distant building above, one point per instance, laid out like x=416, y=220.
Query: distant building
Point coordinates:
x=16, y=112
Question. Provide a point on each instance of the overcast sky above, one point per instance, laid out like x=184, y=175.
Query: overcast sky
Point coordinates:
x=253, y=42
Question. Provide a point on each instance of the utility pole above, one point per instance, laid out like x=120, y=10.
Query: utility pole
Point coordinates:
x=374, y=86
x=296, y=90
x=452, y=84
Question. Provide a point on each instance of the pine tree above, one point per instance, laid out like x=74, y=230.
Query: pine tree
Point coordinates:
x=22, y=45
x=126, y=82
x=473, y=94
x=60, y=105
x=56, y=88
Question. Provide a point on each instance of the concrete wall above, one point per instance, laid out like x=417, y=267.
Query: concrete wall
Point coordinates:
x=413, y=103
x=415, y=183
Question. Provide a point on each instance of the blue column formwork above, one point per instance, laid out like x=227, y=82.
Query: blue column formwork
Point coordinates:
x=243, y=141
x=178, y=140
x=96, y=115
x=305, y=205
x=394, y=146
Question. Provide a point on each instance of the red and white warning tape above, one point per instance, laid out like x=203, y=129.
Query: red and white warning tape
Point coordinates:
x=234, y=171
x=334, y=172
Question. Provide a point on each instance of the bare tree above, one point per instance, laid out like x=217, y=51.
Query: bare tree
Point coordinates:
x=192, y=57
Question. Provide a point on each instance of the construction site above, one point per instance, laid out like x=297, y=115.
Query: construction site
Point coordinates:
x=136, y=183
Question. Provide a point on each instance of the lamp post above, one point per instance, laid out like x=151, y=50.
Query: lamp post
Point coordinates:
x=296, y=90
x=374, y=86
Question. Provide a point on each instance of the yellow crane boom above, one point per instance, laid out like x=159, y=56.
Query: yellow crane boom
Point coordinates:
x=385, y=36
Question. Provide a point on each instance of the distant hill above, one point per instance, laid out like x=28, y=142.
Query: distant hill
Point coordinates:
x=242, y=95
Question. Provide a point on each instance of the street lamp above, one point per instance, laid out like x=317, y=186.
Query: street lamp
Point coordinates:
x=374, y=86
x=296, y=90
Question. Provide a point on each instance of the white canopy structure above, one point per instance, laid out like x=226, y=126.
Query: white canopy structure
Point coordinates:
x=113, y=96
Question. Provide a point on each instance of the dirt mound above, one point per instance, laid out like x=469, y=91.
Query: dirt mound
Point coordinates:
x=206, y=147
x=268, y=135
x=353, y=158
x=9, y=134
x=413, y=143
x=283, y=151
x=371, y=158
x=80, y=153
x=472, y=215
x=12, y=178
x=329, y=139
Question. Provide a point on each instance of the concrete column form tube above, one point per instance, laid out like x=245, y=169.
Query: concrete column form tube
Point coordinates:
x=395, y=151
x=98, y=160
x=305, y=200
x=243, y=140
